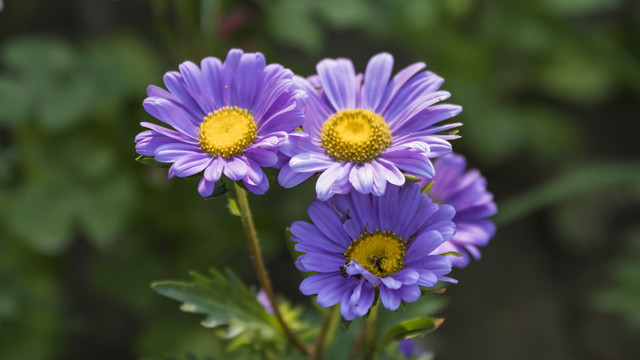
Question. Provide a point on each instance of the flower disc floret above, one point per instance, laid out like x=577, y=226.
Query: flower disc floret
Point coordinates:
x=227, y=132
x=355, y=135
x=380, y=253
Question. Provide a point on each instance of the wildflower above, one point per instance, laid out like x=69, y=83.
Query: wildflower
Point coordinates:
x=228, y=118
x=358, y=243
x=361, y=131
x=467, y=193
x=409, y=349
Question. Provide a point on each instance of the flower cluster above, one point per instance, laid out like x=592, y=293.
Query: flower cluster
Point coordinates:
x=360, y=134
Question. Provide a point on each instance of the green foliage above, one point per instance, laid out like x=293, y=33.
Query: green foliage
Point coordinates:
x=622, y=296
x=231, y=308
x=409, y=329
x=576, y=182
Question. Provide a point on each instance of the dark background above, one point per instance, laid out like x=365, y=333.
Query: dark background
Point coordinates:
x=550, y=92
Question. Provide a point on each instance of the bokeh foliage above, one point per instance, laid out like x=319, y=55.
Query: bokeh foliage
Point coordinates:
x=549, y=90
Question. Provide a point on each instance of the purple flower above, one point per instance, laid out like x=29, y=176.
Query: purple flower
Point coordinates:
x=358, y=243
x=228, y=118
x=409, y=348
x=361, y=131
x=467, y=193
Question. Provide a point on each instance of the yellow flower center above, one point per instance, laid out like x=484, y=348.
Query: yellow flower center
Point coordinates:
x=355, y=135
x=380, y=253
x=227, y=132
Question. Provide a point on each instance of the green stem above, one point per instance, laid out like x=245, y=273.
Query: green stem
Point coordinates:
x=327, y=321
x=371, y=333
x=261, y=270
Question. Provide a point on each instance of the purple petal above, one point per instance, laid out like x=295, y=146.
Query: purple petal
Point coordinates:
x=193, y=79
x=213, y=81
x=172, y=151
x=175, y=83
x=334, y=180
x=309, y=238
x=409, y=293
x=170, y=133
x=261, y=156
x=168, y=112
x=333, y=292
x=213, y=172
x=423, y=245
x=322, y=262
x=361, y=177
x=376, y=78
x=314, y=283
x=397, y=83
x=338, y=78
x=228, y=73
x=328, y=222
x=190, y=164
x=362, y=298
x=235, y=168
x=248, y=76
x=411, y=161
x=389, y=298
x=391, y=283
x=289, y=178
x=310, y=162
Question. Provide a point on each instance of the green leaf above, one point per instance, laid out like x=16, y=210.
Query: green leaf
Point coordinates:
x=344, y=324
x=573, y=183
x=219, y=190
x=228, y=306
x=410, y=179
x=451, y=253
x=234, y=208
x=150, y=161
x=409, y=329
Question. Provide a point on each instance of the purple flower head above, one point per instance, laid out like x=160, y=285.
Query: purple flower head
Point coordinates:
x=228, y=118
x=359, y=242
x=467, y=192
x=363, y=131
x=408, y=348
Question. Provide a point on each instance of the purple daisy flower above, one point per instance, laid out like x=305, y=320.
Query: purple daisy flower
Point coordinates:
x=467, y=193
x=358, y=243
x=361, y=131
x=228, y=118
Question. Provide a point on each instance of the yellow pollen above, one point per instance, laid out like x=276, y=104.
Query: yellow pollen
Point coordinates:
x=227, y=132
x=380, y=253
x=355, y=135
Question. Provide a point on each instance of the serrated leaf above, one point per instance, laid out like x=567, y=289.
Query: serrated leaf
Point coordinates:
x=150, y=161
x=229, y=306
x=409, y=329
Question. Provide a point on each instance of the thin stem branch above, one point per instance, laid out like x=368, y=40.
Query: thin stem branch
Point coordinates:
x=261, y=270
x=371, y=332
x=357, y=344
x=327, y=320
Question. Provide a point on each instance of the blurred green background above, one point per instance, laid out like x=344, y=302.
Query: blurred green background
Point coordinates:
x=550, y=91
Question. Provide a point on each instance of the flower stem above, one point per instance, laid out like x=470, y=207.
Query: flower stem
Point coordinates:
x=327, y=322
x=261, y=270
x=371, y=332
